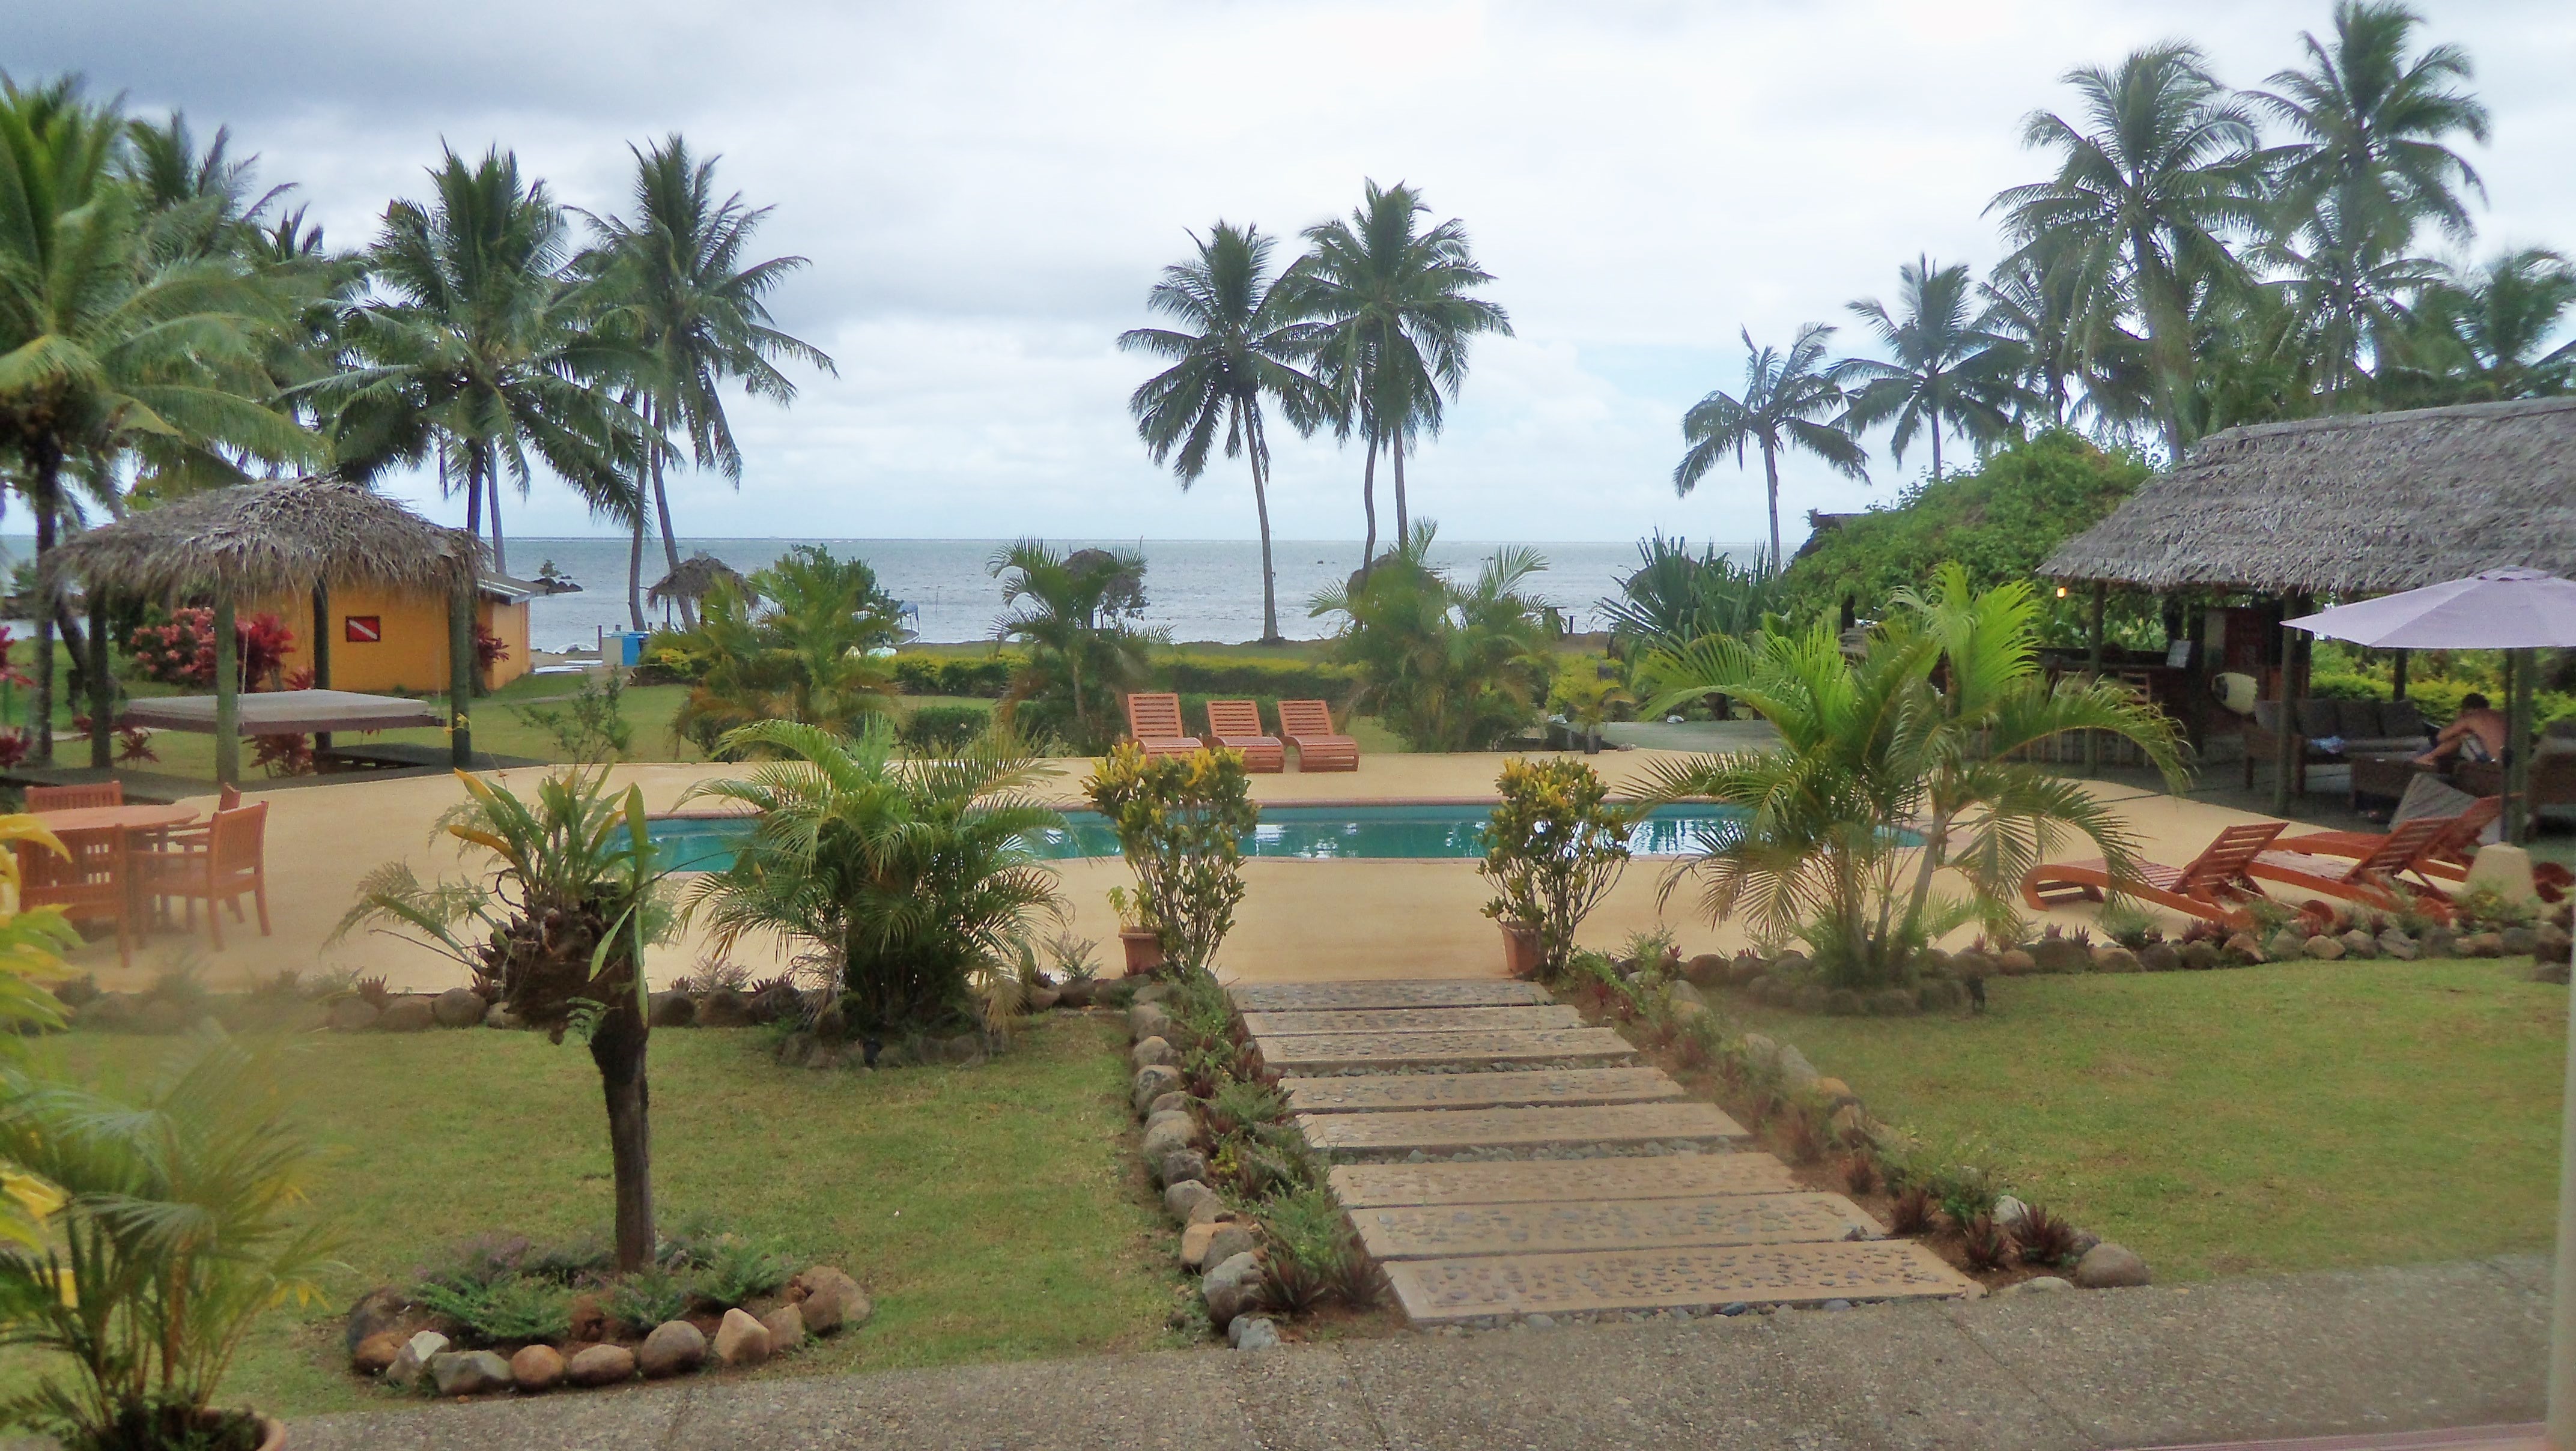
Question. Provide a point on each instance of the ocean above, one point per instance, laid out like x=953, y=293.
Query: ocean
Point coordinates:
x=1197, y=589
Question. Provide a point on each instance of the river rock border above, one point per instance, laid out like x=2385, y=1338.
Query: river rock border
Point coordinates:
x=1219, y=1245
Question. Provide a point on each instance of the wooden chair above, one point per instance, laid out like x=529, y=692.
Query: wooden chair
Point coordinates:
x=41, y=799
x=2370, y=878
x=91, y=884
x=1308, y=725
x=2208, y=888
x=229, y=866
x=2446, y=856
x=1235, y=725
x=1154, y=722
x=193, y=838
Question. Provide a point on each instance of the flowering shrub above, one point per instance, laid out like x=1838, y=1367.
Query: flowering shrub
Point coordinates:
x=488, y=649
x=134, y=743
x=1553, y=850
x=283, y=755
x=182, y=652
x=1181, y=822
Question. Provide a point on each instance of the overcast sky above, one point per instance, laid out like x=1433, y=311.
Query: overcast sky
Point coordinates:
x=987, y=190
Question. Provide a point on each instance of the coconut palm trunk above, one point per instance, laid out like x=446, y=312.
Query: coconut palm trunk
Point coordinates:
x=1771, y=487
x=635, y=573
x=1261, y=509
x=617, y=1047
x=500, y=547
x=656, y=421
x=1368, y=505
x=1403, y=521
x=48, y=481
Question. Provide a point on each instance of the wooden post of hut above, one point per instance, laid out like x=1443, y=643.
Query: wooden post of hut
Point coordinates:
x=2519, y=668
x=460, y=675
x=321, y=652
x=2093, y=669
x=102, y=687
x=227, y=695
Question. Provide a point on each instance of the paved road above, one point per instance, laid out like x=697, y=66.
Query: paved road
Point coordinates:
x=2378, y=1350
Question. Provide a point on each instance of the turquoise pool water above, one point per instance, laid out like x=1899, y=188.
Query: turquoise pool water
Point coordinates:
x=1315, y=833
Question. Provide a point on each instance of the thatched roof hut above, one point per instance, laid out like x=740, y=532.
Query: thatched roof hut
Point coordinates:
x=695, y=579
x=2349, y=505
x=282, y=537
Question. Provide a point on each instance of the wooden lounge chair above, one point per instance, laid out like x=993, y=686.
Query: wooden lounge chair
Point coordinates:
x=1235, y=725
x=1308, y=725
x=2370, y=878
x=89, y=885
x=2208, y=888
x=75, y=798
x=1154, y=721
x=230, y=865
x=2445, y=857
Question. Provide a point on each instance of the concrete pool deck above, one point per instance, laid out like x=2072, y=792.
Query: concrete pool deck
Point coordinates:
x=1299, y=921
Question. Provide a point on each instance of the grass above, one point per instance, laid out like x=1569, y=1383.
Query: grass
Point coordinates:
x=2295, y=1116
x=993, y=1212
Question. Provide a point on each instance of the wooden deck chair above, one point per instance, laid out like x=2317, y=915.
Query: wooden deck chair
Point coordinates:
x=1154, y=722
x=2207, y=888
x=230, y=866
x=91, y=885
x=1235, y=725
x=75, y=798
x=1308, y=725
x=2445, y=857
x=2370, y=878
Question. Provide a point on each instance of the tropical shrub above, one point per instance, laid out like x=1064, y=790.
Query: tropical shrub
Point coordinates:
x=1587, y=696
x=1075, y=615
x=1181, y=821
x=1553, y=849
x=182, y=651
x=1448, y=667
x=985, y=677
x=803, y=658
x=574, y=901
x=31, y=946
x=182, y=1220
x=937, y=729
x=1871, y=750
x=914, y=882
x=1674, y=596
x=591, y=728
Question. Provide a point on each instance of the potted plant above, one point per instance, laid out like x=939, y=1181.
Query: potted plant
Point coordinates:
x=1143, y=944
x=1553, y=849
x=1181, y=823
x=1584, y=693
x=1524, y=947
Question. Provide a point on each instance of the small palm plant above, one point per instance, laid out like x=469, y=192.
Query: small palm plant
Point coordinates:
x=916, y=879
x=575, y=900
x=803, y=658
x=177, y=1229
x=1448, y=666
x=1910, y=743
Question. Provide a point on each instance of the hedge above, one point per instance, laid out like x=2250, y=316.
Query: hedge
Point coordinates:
x=989, y=677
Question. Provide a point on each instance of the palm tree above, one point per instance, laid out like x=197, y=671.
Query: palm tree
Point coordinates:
x=105, y=346
x=1871, y=749
x=2372, y=125
x=1786, y=399
x=1075, y=613
x=2348, y=295
x=1393, y=323
x=2484, y=328
x=1949, y=372
x=483, y=342
x=916, y=879
x=1236, y=347
x=805, y=658
x=2142, y=203
x=1448, y=667
x=681, y=292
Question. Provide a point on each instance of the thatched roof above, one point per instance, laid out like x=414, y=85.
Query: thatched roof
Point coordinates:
x=2353, y=505
x=694, y=579
x=259, y=539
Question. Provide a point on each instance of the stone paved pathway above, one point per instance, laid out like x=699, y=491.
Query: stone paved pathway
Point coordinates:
x=1499, y=1160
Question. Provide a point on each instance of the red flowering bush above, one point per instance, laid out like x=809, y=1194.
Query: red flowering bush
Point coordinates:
x=182, y=652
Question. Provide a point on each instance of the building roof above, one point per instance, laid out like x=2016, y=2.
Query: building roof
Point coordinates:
x=273, y=537
x=694, y=579
x=2350, y=505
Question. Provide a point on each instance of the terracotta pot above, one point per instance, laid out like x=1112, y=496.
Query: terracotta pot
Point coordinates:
x=272, y=1434
x=1521, y=954
x=1144, y=950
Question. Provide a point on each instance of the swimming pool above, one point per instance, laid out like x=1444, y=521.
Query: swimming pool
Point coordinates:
x=1313, y=833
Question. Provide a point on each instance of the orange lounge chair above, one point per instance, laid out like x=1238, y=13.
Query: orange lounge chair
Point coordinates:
x=1235, y=725
x=75, y=798
x=1154, y=721
x=2446, y=856
x=2208, y=888
x=2368, y=879
x=1308, y=725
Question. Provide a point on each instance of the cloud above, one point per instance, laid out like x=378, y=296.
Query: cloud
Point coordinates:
x=986, y=190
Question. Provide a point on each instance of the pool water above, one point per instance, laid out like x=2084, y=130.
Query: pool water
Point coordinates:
x=1314, y=833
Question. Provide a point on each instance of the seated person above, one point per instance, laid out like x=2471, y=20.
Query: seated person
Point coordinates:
x=2477, y=734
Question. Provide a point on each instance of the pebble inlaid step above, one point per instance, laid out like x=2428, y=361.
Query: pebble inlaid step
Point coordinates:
x=1400, y=1131
x=1417, y=1232
x=1376, y=1092
x=1356, y=996
x=1407, y=1020
x=1541, y=1181
x=1445, y=1291
x=1313, y=1052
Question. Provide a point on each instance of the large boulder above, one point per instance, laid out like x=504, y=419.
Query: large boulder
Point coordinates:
x=2244, y=946
x=1232, y=1288
x=1182, y=1200
x=2397, y=945
x=1168, y=1133
x=672, y=1010
x=1148, y=1020
x=2202, y=956
x=1253, y=1332
x=786, y=1327
x=2358, y=944
x=601, y=1365
x=407, y=1015
x=1181, y=1165
x=2014, y=962
x=2108, y=1266
x=1213, y=1242
x=1795, y=1070
x=1151, y=1052
x=376, y=1312
x=469, y=1372
x=536, y=1368
x=2114, y=958
x=741, y=1339
x=830, y=1300
x=1152, y=1083
x=2323, y=948
x=675, y=1347
x=724, y=1008
x=458, y=1007
x=2518, y=942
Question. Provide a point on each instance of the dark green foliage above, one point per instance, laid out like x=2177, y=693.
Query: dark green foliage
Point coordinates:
x=2045, y=1238
x=1966, y=1191
x=2000, y=520
x=650, y=1297
x=1313, y=1256
x=932, y=730
x=591, y=727
x=512, y=1309
x=737, y=1270
x=1448, y=666
x=1238, y=1107
x=983, y=676
x=1675, y=596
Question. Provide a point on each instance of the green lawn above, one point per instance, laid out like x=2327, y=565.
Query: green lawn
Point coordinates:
x=2275, y=1118
x=992, y=1211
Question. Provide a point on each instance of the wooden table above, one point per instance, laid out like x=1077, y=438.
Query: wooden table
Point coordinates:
x=84, y=820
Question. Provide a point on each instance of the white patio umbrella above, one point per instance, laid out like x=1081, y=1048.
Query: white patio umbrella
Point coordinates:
x=2498, y=609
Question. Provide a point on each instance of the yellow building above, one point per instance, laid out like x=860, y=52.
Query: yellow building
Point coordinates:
x=384, y=642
